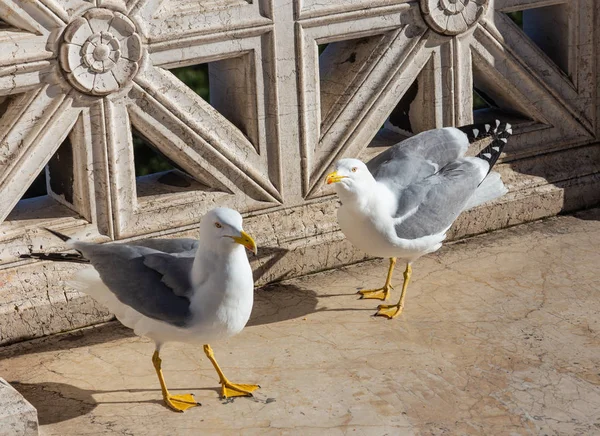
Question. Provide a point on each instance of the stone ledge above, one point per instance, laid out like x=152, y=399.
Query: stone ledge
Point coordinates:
x=17, y=416
x=300, y=240
x=499, y=336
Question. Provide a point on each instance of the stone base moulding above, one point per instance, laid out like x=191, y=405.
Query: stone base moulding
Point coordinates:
x=300, y=240
x=17, y=416
x=294, y=86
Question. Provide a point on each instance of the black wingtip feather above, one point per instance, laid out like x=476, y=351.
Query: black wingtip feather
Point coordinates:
x=56, y=257
x=476, y=132
x=57, y=234
x=500, y=132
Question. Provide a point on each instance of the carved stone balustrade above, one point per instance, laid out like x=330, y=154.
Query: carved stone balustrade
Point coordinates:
x=294, y=86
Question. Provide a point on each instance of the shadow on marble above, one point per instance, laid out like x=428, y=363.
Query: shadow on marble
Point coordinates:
x=58, y=402
x=273, y=303
x=573, y=171
x=588, y=215
x=285, y=301
x=268, y=258
x=97, y=334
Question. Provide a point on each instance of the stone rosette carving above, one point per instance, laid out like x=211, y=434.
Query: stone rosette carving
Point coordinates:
x=100, y=51
x=451, y=17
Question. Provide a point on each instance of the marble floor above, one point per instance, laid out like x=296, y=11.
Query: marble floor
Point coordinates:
x=500, y=336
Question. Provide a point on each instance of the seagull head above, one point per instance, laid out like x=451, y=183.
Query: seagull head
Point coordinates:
x=350, y=176
x=222, y=227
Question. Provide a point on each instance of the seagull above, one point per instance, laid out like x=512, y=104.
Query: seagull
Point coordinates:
x=403, y=201
x=181, y=290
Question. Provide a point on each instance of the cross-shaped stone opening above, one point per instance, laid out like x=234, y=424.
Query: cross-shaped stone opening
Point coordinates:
x=549, y=28
x=157, y=174
x=229, y=86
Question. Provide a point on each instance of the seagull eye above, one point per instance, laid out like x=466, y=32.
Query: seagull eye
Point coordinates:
x=354, y=169
x=218, y=225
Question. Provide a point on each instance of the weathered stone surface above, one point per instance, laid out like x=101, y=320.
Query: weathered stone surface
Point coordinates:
x=34, y=301
x=280, y=115
x=92, y=47
x=452, y=17
x=500, y=335
x=17, y=416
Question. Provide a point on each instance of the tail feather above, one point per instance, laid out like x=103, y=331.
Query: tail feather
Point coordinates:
x=490, y=189
x=493, y=150
x=476, y=132
x=499, y=133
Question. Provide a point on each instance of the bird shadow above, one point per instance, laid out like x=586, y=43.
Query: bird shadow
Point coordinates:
x=284, y=301
x=263, y=264
x=588, y=215
x=280, y=302
x=58, y=402
x=272, y=303
x=84, y=337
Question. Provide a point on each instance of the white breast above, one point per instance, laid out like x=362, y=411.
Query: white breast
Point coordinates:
x=223, y=302
x=364, y=233
x=369, y=225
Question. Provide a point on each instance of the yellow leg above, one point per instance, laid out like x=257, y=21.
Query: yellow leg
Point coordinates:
x=179, y=403
x=393, y=310
x=228, y=389
x=381, y=293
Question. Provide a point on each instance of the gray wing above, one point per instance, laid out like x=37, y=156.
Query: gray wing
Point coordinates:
x=169, y=245
x=432, y=205
x=418, y=157
x=155, y=284
x=175, y=271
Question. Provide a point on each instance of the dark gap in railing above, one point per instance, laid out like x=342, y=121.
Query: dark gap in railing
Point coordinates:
x=61, y=163
x=400, y=116
x=228, y=86
x=60, y=171
x=147, y=158
x=196, y=78
x=548, y=28
x=37, y=188
x=516, y=17
x=5, y=102
x=481, y=100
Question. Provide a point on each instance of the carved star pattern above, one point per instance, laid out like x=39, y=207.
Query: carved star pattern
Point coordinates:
x=79, y=69
x=342, y=99
x=374, y=60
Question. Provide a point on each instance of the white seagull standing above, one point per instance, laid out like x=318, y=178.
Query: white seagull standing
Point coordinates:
x=403, y=201
x=180, y=290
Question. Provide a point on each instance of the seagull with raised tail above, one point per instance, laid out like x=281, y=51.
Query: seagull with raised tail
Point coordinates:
x=183, y=290
x=403, y=201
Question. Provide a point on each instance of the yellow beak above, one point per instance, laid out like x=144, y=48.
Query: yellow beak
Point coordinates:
x=246, y=240
x=334, y=177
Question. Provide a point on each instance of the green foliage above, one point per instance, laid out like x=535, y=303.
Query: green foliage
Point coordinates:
x=147, y=159
x=517, y=17
x=196, y=78
x=478, y=102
